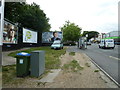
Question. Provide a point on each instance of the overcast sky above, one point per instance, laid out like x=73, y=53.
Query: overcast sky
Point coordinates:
x=91, y=15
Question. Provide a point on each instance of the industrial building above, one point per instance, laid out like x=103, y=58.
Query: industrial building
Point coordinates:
x=113, y=34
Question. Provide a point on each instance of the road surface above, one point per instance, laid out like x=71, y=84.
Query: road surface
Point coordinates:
x=107, y=59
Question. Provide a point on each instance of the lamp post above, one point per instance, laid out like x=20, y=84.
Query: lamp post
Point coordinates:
x=85, y=46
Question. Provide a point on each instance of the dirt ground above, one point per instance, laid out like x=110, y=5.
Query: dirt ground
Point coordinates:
x=86, y=78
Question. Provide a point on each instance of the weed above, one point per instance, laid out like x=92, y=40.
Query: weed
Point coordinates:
x=87, y=64
x=72, y=66
x=72, y=53
x=96, y=71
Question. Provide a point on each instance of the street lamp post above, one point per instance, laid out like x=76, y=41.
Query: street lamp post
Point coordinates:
x=86, y=37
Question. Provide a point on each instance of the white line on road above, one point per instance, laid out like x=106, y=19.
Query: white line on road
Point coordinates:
x=114, y=57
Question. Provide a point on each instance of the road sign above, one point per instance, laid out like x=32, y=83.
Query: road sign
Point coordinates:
x=1, y=20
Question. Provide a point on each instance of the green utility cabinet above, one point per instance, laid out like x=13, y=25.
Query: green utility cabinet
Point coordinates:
x=22, y=64
x=37, y=63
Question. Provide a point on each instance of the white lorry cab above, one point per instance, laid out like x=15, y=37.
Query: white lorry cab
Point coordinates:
x=82, y=44
x=107, y=43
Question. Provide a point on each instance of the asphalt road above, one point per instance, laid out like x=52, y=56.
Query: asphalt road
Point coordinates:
x=107, y=59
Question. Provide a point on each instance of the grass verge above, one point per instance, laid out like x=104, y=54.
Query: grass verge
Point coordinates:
x=52, y=61
x=9, y=75
x=51, y=56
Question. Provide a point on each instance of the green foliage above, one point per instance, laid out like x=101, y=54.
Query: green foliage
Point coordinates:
x=29, y=16
x=91, y=34
x=13, y=10
x=71, y=32
x=96, y=71
x=9, y=76
x=8, y=73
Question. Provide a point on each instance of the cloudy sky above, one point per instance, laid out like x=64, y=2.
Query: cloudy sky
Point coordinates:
x=97, y=15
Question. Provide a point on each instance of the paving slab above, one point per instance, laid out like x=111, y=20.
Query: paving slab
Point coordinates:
x=51, y=76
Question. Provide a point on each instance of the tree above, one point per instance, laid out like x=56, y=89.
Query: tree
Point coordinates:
x=91, y=34
x=13, y=10
x=29, y=16
x=71, y=32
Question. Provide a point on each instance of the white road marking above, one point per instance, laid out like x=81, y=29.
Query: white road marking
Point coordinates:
x=114, y=57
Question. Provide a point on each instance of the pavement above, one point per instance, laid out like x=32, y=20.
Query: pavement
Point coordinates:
x=51, y=76
x=8, y=60
x=107, y=59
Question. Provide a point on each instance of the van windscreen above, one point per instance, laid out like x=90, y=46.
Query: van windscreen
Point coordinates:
x=109, y=40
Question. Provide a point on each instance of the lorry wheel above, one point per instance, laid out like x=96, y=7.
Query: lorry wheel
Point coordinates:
x=99, y=46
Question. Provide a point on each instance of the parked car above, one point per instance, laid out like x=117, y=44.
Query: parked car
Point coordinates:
x=57, y=44
x=88, y=43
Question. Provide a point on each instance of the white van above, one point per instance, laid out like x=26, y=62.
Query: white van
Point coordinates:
x=107, y=43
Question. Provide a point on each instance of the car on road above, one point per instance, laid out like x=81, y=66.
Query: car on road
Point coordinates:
x=107, y=43
x=57, y=44
x=89, y=43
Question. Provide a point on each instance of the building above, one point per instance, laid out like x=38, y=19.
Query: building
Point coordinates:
x=113, y=34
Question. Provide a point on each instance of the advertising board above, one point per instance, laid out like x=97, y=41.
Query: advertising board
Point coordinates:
x=10, y=33
x=48, y=37
x=29, y=36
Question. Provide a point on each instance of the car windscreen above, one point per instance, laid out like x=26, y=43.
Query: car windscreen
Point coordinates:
x=56, y=43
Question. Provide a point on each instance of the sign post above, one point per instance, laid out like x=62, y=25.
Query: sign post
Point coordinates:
x=1, y=20
x=1, y=36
